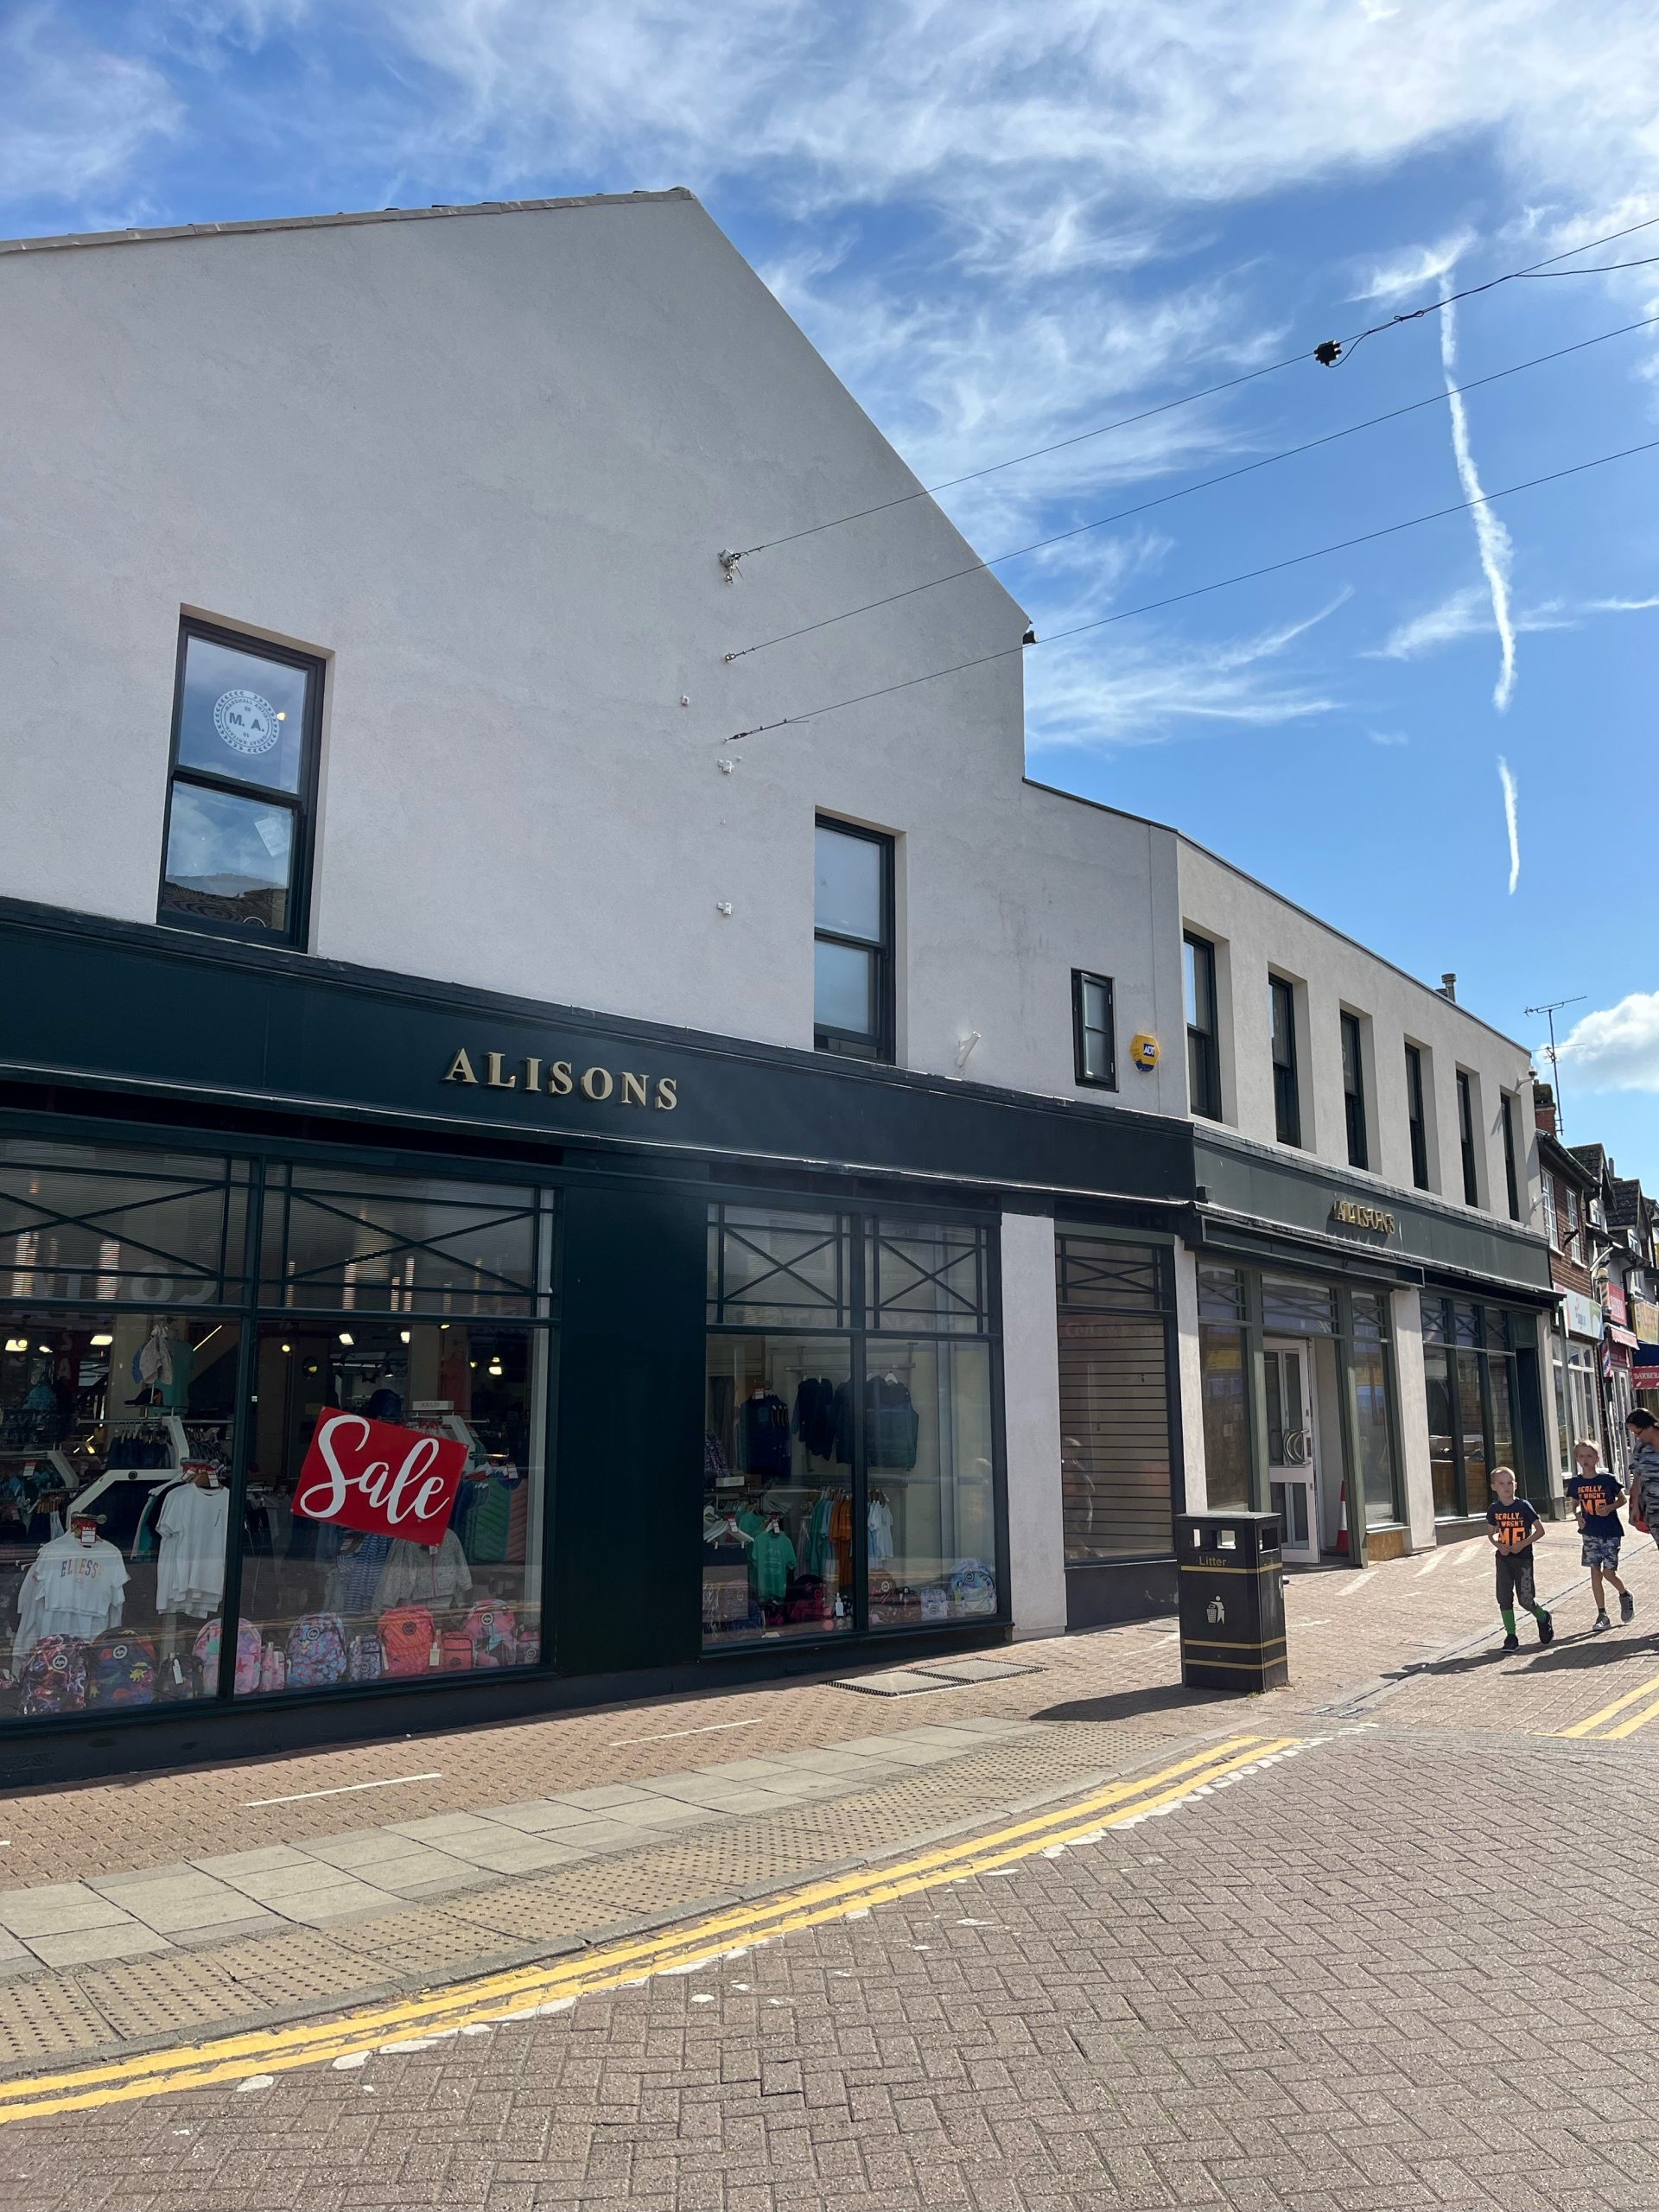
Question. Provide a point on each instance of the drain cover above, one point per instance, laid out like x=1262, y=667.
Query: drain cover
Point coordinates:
x=976, y=1669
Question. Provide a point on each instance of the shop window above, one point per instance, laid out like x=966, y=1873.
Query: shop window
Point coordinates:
x=928, y=1437
x=242, y=791
x=1115, y=1439
x=853, y=948
x=1353, y=1090
x=1442, y=1433
x=1417, y=1116
x=1092, y=1030
x=1470, y=1367
x=1373, y=1423
x=1286, y=1092
x=1203, y=1038
x=399, y=1244
x=1512, y=1172
x=1221, y=1294
x=119, y=1227
x=1466, y=1148
x=326, y=1604
x=777, y=1488
x=1226, y=1416
x=1291, y=1307
x=926, y=1276
x=771, y=1269
x=115, y=1492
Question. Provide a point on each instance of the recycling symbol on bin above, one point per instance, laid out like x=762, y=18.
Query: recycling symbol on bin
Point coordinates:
x=1216, y=1613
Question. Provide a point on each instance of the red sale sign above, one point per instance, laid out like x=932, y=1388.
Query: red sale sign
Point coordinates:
x=385, y=1481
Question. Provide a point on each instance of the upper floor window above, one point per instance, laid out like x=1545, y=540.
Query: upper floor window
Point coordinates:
x=1572, y=1245
x=1552, y=1217
x=1286, y=1095
x=242, y=789
x=1353, y=1090
x=1092, y=1030
x=1511, y=1167
x=1202, y=1044
x=1466, y=1137
x=852, y=970
x=1417, y=1116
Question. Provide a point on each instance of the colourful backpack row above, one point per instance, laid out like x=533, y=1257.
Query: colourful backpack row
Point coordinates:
x=249, y=1654
x=121, y=1669
x=53, y=1676
x=316, y=1650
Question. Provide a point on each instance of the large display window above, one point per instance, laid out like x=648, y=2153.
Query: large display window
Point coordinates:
x=848, y=1453
x=1469, y=1366
x=353, y=1443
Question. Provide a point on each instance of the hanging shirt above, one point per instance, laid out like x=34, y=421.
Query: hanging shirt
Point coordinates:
x=881, y=1530
x=763, y=1435
x=773, y=1560
x=73, y=1589
x=190, y=1568
x=425, y=1574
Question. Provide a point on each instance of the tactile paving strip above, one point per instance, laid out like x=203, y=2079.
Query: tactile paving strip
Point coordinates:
x=151, y=1999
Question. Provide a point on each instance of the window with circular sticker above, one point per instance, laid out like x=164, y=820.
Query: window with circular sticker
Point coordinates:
x=243, y=717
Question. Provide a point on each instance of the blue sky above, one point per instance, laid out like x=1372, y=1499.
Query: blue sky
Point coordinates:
x=1003, y=226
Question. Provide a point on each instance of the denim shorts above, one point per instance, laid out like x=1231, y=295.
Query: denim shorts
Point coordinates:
x=1601, y=1551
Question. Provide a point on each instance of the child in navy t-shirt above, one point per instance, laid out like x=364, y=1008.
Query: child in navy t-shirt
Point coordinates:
x=1597, y=1496
x=1513, y=1527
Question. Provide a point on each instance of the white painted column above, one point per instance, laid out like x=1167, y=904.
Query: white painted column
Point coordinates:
x=1031, y=1394
x=1417, y=1471
x=1191, y=1377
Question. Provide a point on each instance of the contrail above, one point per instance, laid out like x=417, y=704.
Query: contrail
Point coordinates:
x=1510, y=822
x=1491, y=539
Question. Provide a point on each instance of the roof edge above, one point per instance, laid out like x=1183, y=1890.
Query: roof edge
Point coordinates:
x=66, y=240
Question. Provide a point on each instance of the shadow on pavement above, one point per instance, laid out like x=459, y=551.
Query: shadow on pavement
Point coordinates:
x=1125, y=1705
x=1580, y=1655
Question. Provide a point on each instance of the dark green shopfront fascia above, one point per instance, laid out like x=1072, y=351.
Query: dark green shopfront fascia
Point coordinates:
x=717, y=1326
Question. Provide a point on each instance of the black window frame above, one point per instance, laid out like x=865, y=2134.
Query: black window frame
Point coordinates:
x=1083, y=1029
x=876, y=1045
x=1203, y=1045
x=1511, y=1176
x=299, y=803
x=1287, y=1084
x=1466, y=1137
x=1417, y=1116
x=1353, y=1088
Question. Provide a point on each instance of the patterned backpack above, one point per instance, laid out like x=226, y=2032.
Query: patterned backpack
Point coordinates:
x=491, y=1629
x=121, y=1669
x=455, y=1653
x=406, y=1634
x=54, y=1679
x=366, y=1661
x=273, y=1669
x=248, y=1650
x=316, y=1650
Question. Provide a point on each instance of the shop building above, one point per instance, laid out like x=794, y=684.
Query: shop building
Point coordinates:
x=753, y=1185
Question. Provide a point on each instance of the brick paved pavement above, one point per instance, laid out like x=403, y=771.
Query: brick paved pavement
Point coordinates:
x=1384, y=1976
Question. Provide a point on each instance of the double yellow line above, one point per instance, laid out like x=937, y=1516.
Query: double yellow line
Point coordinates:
x=1595, y=1726
x=528, y=1991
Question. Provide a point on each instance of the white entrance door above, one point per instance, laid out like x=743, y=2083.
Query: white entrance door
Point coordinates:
x=1293, y=1469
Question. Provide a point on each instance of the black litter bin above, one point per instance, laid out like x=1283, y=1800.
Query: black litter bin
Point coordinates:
x=1232, y=1601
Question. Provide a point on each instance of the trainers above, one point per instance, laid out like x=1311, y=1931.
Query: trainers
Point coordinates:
x=1545, y=1628
x=1626, y=1607
x=1511, y=1643
x=1599, y=1622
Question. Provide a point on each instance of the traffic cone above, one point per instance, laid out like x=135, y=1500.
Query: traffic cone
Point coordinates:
x=1342, y=1521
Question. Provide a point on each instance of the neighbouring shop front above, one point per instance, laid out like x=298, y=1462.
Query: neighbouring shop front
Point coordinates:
x=470, y=1357
x=1305, y=1289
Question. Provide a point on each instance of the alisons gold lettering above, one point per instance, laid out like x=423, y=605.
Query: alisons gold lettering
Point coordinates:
x=1359, y=1216
x=562, y=1079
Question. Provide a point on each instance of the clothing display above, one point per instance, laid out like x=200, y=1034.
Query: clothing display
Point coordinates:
x=354, y=1579
x=773, y=1561
x=425, y=1575
x=880, y=1527
x=815, y=1416
x=190, y=1561
x=764, y=1435
x=73, y=1590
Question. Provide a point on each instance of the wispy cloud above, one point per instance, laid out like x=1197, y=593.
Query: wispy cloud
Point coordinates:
x=1616, y=1048
x=1388, y=737
x=1492, y=540
x=1511, y=821
x=1409, y=269
x=1466, y=612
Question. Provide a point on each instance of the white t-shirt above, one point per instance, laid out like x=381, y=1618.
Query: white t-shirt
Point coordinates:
x=190, y=1568
x=73, y=1589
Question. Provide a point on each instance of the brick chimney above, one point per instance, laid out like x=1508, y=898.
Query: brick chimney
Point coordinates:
x=1543, y=1106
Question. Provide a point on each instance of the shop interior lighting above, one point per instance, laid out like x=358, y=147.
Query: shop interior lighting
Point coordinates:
x=495, y=1367
x=346, y=1337
x=101, y=1341
x=45, y=1348
x=17, y=1343
x=404, y=1335
x=288, y=1348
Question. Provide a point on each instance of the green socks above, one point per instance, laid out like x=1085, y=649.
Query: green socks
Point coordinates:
x=1506, y=1613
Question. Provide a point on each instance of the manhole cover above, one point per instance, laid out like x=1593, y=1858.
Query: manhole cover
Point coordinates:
x=976, y=1669
x=898, y=1681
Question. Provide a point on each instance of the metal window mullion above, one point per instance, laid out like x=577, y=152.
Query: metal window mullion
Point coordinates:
x=861, y=1535
x=247, y=1376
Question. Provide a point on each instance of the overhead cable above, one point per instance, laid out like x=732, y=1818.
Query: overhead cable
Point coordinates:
x=1199, y=591
x=729, y=560
x=1228, y=475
